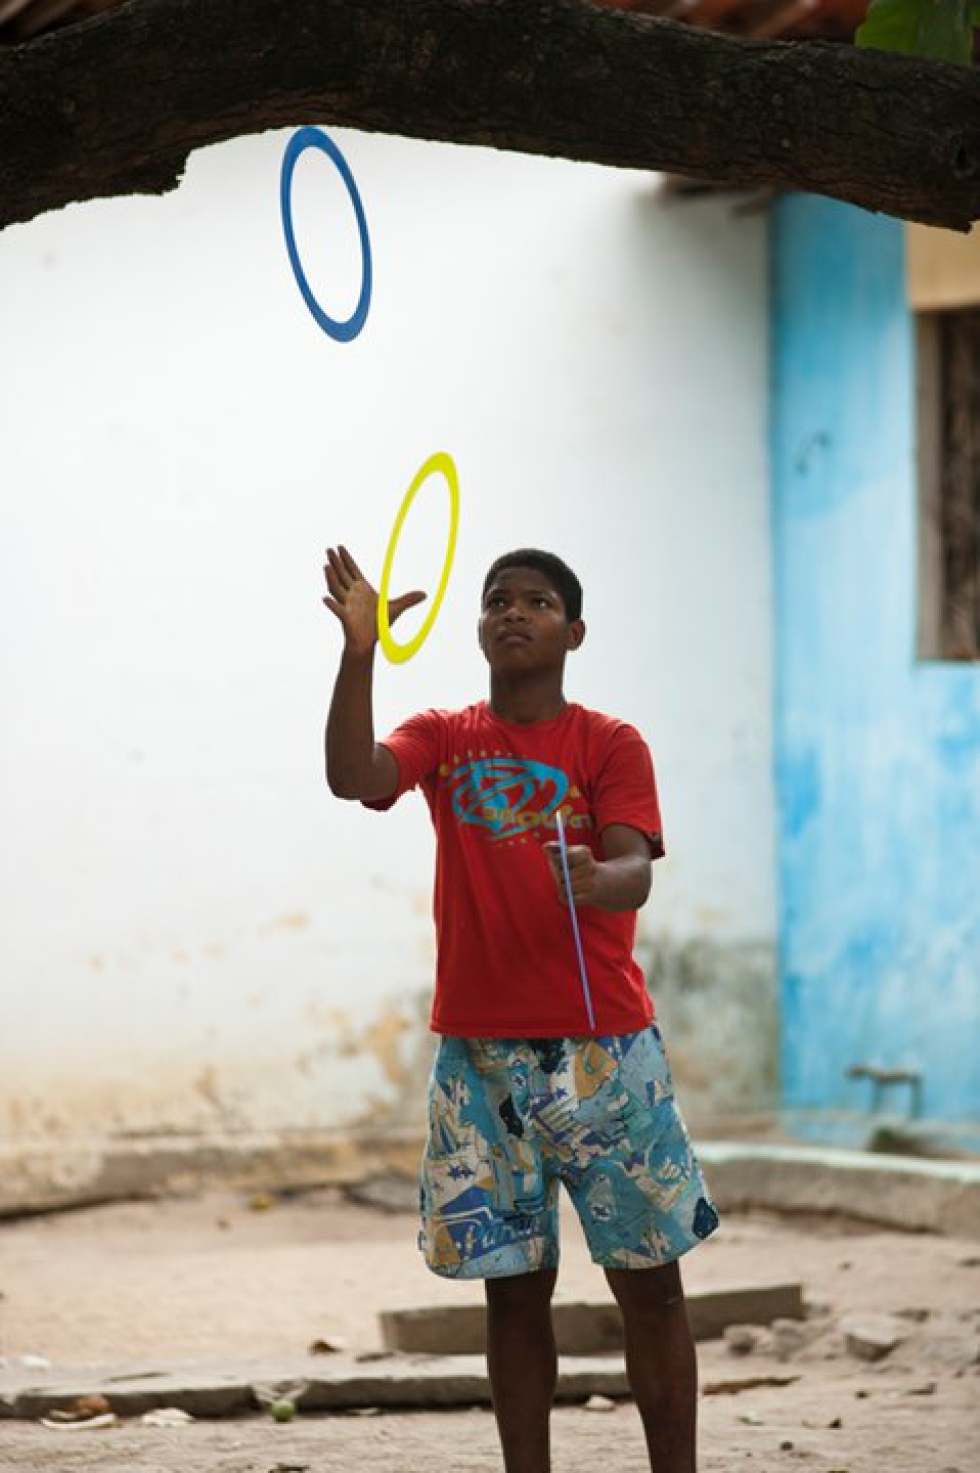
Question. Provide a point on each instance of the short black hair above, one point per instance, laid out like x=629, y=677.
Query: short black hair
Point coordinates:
x=558, y=573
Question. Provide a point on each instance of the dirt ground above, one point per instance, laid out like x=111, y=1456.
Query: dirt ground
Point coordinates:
x=220, y=1280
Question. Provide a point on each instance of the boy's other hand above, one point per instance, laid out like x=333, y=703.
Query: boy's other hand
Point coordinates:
x=351, y=597
x=583, y=872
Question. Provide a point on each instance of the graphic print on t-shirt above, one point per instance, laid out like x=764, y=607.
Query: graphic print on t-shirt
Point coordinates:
x=509, y=795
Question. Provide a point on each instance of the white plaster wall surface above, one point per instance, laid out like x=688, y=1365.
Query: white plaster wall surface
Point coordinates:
x=194, y=933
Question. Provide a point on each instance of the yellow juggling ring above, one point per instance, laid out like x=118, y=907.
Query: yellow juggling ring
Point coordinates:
x=399, y=653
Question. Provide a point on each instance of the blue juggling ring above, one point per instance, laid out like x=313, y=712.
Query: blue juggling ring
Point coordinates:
x=341, y=330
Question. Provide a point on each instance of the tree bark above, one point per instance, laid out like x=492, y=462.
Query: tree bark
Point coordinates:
x=115, y=105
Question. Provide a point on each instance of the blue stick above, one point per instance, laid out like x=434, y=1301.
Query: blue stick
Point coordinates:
x=563, y=848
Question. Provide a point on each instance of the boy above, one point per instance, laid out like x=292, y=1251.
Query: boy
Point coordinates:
x=525, y=1091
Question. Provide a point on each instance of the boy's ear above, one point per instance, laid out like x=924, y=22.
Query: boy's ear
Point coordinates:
x=576, y=634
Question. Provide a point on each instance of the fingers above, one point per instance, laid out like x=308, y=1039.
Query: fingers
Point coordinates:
x=581, y=870
x=350, y=567
x=338, y=579
x=398, y=606
x=341, y=573
x=553, y=856
x=336, y=586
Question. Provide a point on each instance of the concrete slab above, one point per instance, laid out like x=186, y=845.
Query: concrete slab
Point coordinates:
x=47, y=1177
x=915, y=1195
x=585, y=1327
x=314, y=1383
x=905, y=1192
x=201, y=1393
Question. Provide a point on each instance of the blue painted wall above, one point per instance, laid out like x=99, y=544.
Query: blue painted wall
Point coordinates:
x=878, y=755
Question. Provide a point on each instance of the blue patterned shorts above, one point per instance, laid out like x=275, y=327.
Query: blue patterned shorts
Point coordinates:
x=511, y=1118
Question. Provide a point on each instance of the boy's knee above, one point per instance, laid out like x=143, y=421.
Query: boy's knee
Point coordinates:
x=521, y=1291
x=650, y=1290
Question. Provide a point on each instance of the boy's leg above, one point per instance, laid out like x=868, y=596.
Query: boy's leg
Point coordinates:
x=660, y=1362
x=643, y=1203
x=523, y=1366
x=489, y=1210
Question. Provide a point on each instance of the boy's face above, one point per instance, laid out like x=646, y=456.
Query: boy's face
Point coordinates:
x=523, y=625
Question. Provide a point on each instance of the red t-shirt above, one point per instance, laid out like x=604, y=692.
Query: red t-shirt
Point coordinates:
x=507, y=965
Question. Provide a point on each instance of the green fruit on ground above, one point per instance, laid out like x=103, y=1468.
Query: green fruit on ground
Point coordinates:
x=284, y=1410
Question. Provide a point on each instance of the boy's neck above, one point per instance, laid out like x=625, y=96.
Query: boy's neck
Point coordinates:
x=536, y=698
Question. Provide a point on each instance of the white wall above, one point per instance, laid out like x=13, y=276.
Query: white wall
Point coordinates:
x=192, y=932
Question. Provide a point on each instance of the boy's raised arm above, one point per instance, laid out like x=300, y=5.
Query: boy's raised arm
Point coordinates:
x=357, y=767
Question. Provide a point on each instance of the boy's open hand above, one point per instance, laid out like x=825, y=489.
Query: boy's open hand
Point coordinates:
x=355, y=602
x=583, y=872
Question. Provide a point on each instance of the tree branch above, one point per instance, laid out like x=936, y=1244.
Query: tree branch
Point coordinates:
x=115, y=105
